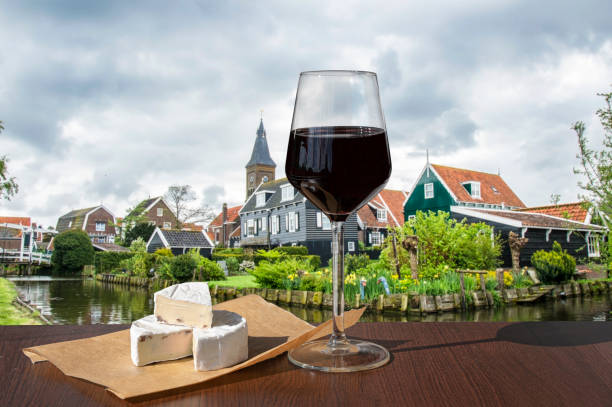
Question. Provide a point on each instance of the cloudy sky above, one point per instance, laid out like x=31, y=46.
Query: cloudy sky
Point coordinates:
x=113, y=102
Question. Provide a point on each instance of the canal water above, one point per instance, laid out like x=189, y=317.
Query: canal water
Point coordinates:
x=87, y=301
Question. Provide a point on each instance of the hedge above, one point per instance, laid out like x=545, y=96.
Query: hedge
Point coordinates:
x=292, y=250
x=105, y=262
x=225, y=256
x=313, y=259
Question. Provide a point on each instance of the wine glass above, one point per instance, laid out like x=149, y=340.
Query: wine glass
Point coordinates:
x=338, y=157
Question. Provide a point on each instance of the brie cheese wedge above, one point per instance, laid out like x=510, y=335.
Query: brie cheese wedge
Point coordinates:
x=186, y=304
x=152, y=341
x=224, y=345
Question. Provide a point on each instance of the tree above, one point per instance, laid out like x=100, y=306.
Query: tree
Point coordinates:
x=179, y=198
x=133, y=218
x=596, y=166
x=8, y=186
x=72, y=250
x=140, y=230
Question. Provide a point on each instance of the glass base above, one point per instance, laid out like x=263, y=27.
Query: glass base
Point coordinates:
x=355, y=356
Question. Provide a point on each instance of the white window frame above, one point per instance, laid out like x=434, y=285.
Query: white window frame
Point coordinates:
x=319, y=219
x=593, y=245
x=167, y=225
x=381, y=215
x=351, y=246
x=250, y=227
x=260, y=199
x=264, y=224
x=429, y=190
x=100, y=226
x=160, y=212
x=475, y=188
x=375, y=238
x=325, y=222
x=69, y=224
x=287, y=192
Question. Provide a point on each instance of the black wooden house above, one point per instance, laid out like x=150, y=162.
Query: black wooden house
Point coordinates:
x=180, y=241
x=276, y=214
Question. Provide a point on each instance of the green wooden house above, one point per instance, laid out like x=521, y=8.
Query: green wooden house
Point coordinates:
x=439, y=187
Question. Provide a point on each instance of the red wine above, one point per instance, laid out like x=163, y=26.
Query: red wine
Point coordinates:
x=339, y=168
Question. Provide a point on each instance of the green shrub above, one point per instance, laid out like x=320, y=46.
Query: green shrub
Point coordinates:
x=228, y=250
x=106, y=262
x=163, y=252
x=354, y=262
x=554, y=266
x=225, y=256
x=292, y=250
x=72, y=251
x=210, y=270
x=233, y=265
x=276, y=275
x=142, y=230
x=182, y=267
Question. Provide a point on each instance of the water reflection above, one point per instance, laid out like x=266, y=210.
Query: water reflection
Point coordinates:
x=76, y=301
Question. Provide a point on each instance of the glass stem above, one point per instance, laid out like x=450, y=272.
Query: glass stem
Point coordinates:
x=338, y=338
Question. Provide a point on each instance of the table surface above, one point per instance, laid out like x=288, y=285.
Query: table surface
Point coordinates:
x=448, y=363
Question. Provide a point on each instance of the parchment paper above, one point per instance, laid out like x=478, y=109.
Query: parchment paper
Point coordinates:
x=105, y=359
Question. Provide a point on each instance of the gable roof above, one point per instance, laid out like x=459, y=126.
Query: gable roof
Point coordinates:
x=577, y=211
x=16, y=220
x=261, y=153
x=184, y=238
x=76, y=216
x=149, y=203
x=109, y=247
x=453, y=178
x=274, y=188
x=233, y=215
x=525, y=219
x=389, y=199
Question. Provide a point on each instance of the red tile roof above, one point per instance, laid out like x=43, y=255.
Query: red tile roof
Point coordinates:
x=17, y=220
x=389, y=199
x=574, y=211
x=454, y=177
x=192, y=227
x=232, y=216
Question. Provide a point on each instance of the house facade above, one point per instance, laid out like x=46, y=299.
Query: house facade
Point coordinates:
x=439, y=187
x=98, y=222
x=276, y=214
x=581, y=240
x=385, y=210
x=157, y=212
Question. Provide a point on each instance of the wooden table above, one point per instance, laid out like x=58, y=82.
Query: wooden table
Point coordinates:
x=454, y=364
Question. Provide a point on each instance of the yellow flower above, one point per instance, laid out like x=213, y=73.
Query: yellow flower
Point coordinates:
x=394, y=276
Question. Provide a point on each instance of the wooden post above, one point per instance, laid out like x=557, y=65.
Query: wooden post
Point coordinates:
x=483, y=286
x=397, y=262
x=462, y=290
x=500, y=279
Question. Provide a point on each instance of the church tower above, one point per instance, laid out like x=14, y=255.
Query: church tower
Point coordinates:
x=260, y=167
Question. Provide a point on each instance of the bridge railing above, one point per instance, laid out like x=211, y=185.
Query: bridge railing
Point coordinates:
x=14, y=256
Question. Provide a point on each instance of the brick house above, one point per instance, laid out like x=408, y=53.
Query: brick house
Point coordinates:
x=157, y=212
x=98, y=222
x=385, y=210
x=224, y=224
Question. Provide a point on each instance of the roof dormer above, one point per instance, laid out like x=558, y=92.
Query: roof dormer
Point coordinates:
x=473, y=188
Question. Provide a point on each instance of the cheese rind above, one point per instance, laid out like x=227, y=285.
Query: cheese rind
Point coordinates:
x=224, y=345
x=152, y=341
x=187, y=304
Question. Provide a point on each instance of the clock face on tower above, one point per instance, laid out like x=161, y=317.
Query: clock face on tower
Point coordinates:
x=265, y=178
x=251, y=179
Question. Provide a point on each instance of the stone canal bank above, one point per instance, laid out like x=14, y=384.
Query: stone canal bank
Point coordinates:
x=394, y=303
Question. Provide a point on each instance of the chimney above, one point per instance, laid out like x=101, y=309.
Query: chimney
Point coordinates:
x=224, y=236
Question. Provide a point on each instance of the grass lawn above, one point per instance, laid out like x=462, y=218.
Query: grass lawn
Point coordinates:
x=9, y=314
x=236, y=281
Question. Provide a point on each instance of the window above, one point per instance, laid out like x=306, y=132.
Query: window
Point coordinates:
x=593, y=245
x=494, y=189
x=287, y=193
x=244, y=229
x=264, y=224
x=293, y=220
x=323, y=221
x=476, y=190
x=167, y=225
x=160, y=212
x=69, y=224
x=375, y=238
x=381, y=215
x=260, y=199
x=217, y=236
x=251, y=227
x=429, y=190
x=351, y=246
x=100, y=226
x=265, y=178
x=275, y=227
